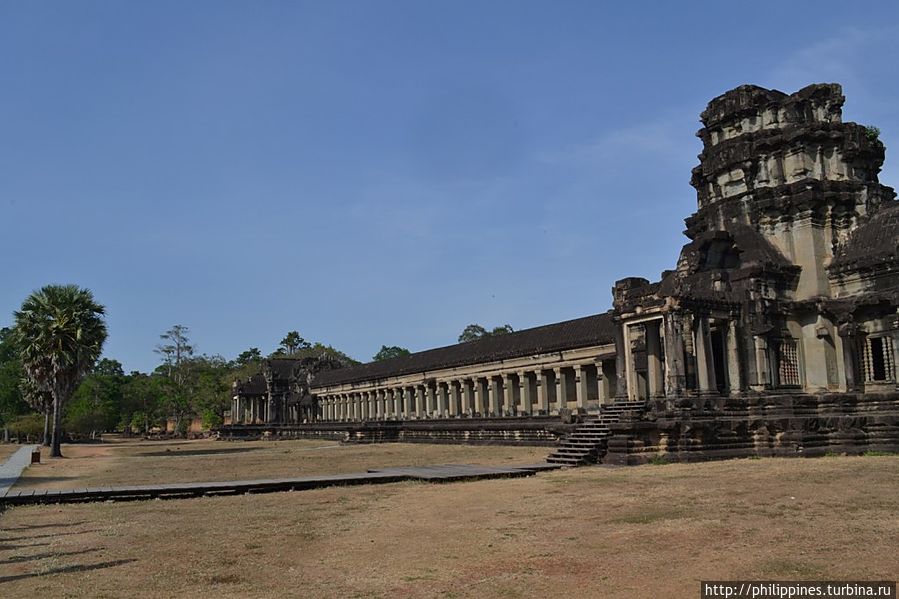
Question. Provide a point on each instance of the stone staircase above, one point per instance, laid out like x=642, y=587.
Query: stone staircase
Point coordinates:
x=587, y=444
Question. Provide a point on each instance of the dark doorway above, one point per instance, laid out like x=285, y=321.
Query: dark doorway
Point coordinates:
x=719, y=359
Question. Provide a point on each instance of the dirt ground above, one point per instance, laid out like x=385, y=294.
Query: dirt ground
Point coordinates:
x=650, y=531
x=6, y=450
x=129, y=462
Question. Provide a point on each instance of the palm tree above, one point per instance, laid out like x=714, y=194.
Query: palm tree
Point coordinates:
x=60, y=331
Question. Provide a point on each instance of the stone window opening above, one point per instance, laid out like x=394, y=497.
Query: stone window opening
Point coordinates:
x=878, y=360
x=785, y=369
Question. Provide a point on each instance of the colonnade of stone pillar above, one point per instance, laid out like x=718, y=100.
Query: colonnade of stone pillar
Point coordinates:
x=506, y=394
x=681, y=356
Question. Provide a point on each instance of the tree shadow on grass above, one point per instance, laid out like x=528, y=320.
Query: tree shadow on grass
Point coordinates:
x=193, y=452
x=31, y=526
x=68, y=570
x=30, y=558
x=8, y=547
x=49, y=536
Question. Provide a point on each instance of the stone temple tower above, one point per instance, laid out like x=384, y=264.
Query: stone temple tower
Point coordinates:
x=790, y=281
x=787, y=166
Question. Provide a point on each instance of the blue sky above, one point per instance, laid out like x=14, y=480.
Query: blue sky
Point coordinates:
x=383, y=172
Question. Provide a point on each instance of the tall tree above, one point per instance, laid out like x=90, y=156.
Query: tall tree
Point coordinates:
x=12, y=403
x=175, y=349
x=97, y=402
x=177, y=361
x=292, y=343
x=143, y=397
x=476, y=331
x=60, y=332
x=388, y=352
x=251, y=356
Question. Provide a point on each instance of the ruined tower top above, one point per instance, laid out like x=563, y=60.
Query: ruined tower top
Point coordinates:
x=769, y=157
x=750, y=108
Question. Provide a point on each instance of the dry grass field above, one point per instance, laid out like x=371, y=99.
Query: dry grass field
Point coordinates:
x=128, y=462
x=651, y=531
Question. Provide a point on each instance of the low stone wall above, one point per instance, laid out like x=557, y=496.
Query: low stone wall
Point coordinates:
x=534, y=431
x=765, y=425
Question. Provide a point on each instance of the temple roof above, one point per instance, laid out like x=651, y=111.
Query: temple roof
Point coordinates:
x=255, y=385
x=571, y=334
x=282, y=368
x=873, y=242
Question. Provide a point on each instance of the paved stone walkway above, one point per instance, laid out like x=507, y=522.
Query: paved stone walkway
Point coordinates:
x=12, y=468
x=442, y=473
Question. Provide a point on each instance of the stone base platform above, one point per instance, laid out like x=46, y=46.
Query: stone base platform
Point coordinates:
x=436, y=474
x=533, y=431
x=784, y=425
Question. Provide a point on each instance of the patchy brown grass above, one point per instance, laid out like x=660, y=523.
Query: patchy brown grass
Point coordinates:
x=128, y=462
x=592, y=532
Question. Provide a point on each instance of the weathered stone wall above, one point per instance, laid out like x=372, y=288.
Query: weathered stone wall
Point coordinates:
x=534, y=431
x=767, y=425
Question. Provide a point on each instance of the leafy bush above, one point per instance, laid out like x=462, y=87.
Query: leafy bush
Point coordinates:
x=872, y=133
x=30, y=427
x=210, y=419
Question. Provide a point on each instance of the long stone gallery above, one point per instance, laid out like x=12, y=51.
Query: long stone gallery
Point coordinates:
x=775, y=333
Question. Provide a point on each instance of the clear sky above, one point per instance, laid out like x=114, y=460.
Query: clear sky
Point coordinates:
x=380, y=172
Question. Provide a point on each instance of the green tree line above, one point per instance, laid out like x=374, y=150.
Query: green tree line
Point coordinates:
x=52, y=378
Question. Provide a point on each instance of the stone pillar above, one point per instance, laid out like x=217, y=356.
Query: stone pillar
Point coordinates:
x=603, y=393
x=468, y=400
x=419, y=401
x=622, y=349
x=431, y=399
x=527, y=400
x=542, y=392
x=441, y=400
x=493, y=392
x=633, y=386
x=453, y=387
x=399, y=398
x=675, y=363
x=733, y=358
x=705, y=366
x=763, y=379
x=561, y=389
x=509, y=396
x=580, y=380
x=480, y=396
x=851, y=370
x=402, y=401
x=655, y=380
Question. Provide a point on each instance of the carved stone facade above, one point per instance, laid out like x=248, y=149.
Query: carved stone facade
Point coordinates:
x=791, y=279
x=781, y=311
